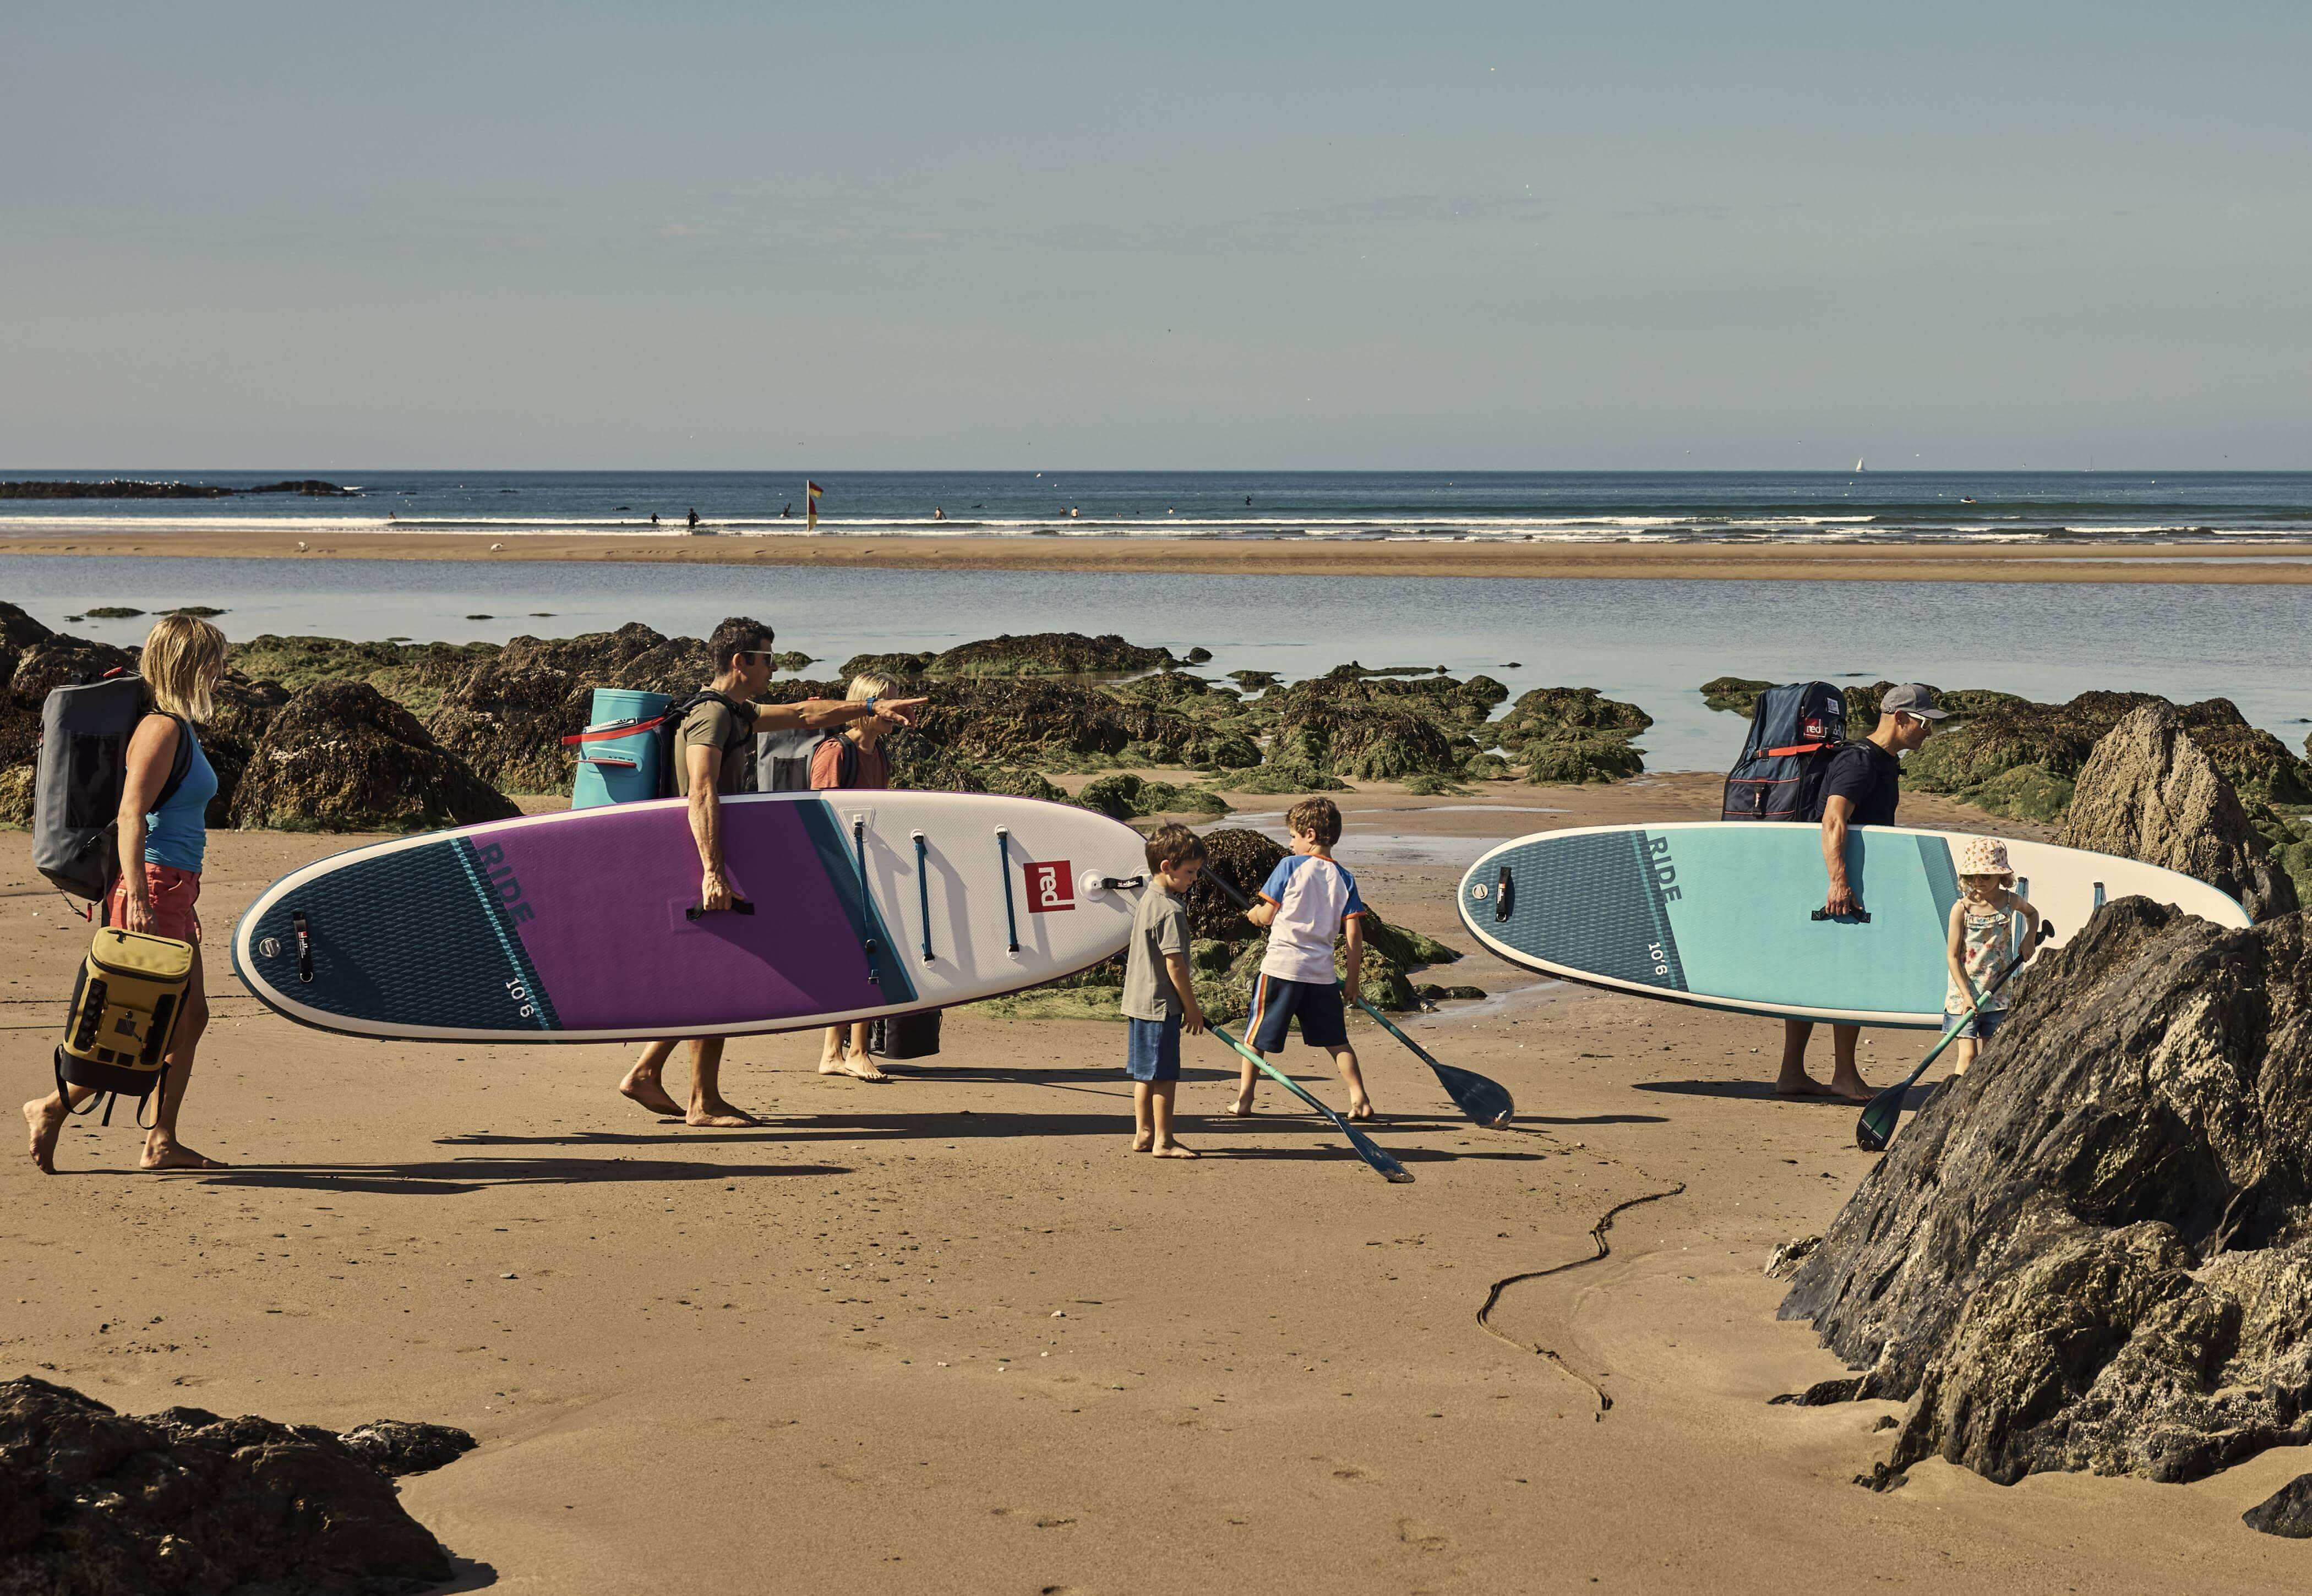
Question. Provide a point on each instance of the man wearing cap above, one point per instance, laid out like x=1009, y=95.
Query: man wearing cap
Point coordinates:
x=1860, y=788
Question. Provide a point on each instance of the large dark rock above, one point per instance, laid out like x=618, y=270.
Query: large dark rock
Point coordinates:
x=94, y=1503
x=1570, y=758
x=2288, y=1511
x=2094, y=1251
x=1064, y=725
x=2151, y=792
x=1548, y=711
x=1464, y=704
x=1126, y=796
x=1046, y=654
x=1244, y=859
x=340, y=757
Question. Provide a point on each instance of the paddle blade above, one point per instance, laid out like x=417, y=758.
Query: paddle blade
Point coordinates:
x=1388, y=1168
x=1486, y=1101
x=1876, y=1128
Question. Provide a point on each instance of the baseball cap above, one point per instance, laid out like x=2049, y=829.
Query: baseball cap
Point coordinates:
x=1911, y=698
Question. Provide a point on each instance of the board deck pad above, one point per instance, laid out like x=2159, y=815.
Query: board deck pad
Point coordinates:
x=577, y=925
x=1721, y=913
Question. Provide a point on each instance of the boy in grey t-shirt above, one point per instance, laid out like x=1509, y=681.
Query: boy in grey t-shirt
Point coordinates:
x=1159, y=998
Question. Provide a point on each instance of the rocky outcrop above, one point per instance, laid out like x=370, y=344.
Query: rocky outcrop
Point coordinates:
x=1048, y=654
x=340, y=757
x=1463, y=703
x=244, y=711
x=2151, y=792
x=1570, y=758
x=124, y=488
x=184, y=1503
x=1126, y=796
x=1964, y=759
x=1566, y=736
x=2094, y=1250
x=2288, y=1511
x=506, y=714
x=1368, y=741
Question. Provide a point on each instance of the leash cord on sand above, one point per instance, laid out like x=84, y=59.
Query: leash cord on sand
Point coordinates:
x=1597, y=1236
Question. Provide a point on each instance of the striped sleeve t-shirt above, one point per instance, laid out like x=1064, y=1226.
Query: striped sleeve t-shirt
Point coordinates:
x=1314, y=897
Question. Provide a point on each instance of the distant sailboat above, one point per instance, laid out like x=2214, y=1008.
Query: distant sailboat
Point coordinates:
x=1858, y=462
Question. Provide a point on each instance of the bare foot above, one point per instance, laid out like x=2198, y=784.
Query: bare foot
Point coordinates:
x=650, y=1092
x=169, y=1154
x=858, y=1065
x=1143, y=1140
x=1805, y=1085
x=1852, y=1088
x=1172, y=1149
x=1363, y=1109
x=44, y=1117
x=1242, y=1107
x=719, y=1115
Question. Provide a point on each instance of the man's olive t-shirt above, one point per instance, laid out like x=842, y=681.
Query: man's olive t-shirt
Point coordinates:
x=711, y=725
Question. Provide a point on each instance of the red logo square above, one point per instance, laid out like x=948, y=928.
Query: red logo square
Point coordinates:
x=1050, y=886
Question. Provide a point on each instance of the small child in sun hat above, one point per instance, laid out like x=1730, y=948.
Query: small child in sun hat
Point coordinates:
x=1990, y=926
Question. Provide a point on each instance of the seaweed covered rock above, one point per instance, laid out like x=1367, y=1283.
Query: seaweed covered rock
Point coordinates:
x=1464, y=704
x=244, y=709
x=1548, y=711
x=413, y=675
x=1962, y=759
x=1046, y=654
x=2149, y=791
x=898, y=667
x=506, y=714
x=1126, y=796
x=1569, y=758
x=184, y=1503
x=1365, y=740
x=1060, y=726
x=1739, y=695
x=2093, y=1251
x=1244, y=859
x=1279, y=777
x=16, y=798
x=923, y=766
x=340, y=757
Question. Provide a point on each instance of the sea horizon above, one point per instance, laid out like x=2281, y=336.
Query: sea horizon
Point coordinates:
x=2133, y=507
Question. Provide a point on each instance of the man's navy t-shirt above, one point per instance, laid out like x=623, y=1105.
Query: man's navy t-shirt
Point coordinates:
x=1868, y=778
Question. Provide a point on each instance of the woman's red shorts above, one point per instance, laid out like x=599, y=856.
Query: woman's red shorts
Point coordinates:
x=174, y=893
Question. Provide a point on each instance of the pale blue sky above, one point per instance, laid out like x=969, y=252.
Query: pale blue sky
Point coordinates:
x=1521, y=236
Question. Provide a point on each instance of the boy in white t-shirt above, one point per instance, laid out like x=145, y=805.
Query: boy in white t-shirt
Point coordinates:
x=1307, y=900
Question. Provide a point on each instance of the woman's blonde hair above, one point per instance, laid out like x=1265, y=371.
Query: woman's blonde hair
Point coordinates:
x=183, y=657
x=865, y=685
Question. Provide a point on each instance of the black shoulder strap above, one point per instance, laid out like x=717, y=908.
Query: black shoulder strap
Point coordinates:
x=180, y=764
x=742, y=714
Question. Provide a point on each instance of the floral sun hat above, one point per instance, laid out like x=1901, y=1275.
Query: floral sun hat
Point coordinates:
x=1984, y=856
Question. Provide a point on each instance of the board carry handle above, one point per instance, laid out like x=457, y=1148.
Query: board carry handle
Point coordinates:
x=867, y=943
x=1860, y=917
x=924, y=889
x=1004, y=854
x=304, y=944
x=1504, y=894
x=698, y=911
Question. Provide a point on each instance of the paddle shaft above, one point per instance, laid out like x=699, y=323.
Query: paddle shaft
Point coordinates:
x=1366, y=1147
x=1867, y=1129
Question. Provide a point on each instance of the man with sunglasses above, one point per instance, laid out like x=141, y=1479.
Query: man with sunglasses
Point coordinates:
x=711, y=752
x=1861, y=787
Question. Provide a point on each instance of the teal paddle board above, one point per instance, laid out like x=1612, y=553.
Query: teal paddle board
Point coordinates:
x=1723, y=914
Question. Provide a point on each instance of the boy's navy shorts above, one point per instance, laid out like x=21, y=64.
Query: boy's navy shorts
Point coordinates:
x=1151, y=1053
x=1275, y=1000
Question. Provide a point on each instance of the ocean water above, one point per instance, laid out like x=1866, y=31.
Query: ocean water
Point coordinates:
x=1651, y=641
x=1865, y=506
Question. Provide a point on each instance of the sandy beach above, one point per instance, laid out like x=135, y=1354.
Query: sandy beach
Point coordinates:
x=2262, y=562
x=946, y=1335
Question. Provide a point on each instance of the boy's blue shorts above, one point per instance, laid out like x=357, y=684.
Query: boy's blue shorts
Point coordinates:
x=1275, y=1000
x=1151, y=1053
x=1976, y=1026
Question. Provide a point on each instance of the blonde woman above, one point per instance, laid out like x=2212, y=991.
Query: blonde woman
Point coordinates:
x=853, y=757
x=161, y=850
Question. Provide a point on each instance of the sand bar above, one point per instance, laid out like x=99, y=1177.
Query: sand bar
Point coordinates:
x=2260, y=562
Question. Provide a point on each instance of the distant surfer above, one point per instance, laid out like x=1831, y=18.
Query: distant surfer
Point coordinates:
x=1861, y=787
x=653, y=518
x=694, y=520
x=786, y=510
x=937, y=514
x=715, y=747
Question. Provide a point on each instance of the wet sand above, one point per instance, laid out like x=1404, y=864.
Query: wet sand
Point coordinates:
x=2259, y=563
x=947, y=1335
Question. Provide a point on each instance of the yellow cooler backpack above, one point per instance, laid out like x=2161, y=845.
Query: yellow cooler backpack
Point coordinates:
x=123, y=1012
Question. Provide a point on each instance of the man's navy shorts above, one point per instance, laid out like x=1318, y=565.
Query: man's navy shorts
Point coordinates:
x=1275, y=1000
x=1151, y=1053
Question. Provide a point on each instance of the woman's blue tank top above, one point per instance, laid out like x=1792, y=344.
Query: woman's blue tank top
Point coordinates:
x=176, y=833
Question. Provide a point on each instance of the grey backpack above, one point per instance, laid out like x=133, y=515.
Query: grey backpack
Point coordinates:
x=83, y=769
x=782, y=760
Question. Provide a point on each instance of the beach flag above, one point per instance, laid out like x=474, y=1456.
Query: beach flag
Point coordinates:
x=811, y=496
